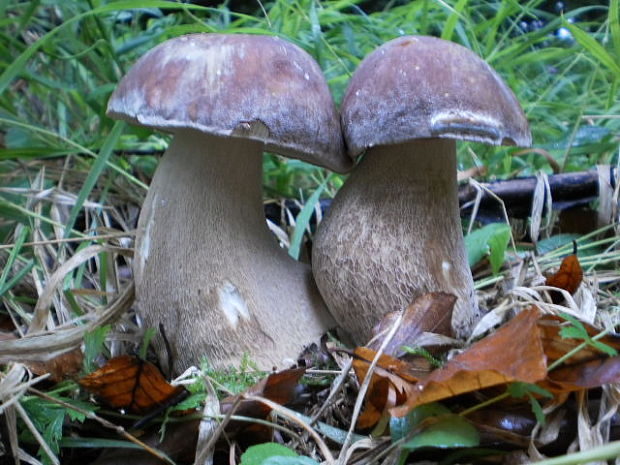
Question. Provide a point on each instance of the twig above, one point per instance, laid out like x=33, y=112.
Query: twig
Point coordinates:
x=72, y=239
x=44, y=445
x=336, y=385
x=291, y=415
x=364, y=387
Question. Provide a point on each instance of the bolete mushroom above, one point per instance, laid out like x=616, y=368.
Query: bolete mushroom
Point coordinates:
x=393, y=231
x=206, y=266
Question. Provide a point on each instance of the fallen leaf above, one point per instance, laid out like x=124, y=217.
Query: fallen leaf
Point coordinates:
x=64, y=366
x=131, y=383
x=585, y=375
x=431, y=312
x=512, y=353
x=391, y=383
x=557, y=346
x=280, y=387
x=568, y=278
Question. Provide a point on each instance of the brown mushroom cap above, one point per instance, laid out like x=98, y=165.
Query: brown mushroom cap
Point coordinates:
x=418, y=87
x=249, y=86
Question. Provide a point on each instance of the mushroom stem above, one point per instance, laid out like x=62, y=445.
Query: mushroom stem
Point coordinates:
x=207, y=267
x=393, y=233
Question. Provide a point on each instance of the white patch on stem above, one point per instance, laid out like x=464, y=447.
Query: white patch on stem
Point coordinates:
x=232, y=303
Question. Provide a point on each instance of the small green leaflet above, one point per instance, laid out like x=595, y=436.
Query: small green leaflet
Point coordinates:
x=490, y=240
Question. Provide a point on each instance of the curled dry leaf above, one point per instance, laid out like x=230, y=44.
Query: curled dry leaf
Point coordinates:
x=431, y=312
x=568, y=277
x=513, y=353
x=131, y=383
x=392, y=382
x=61, y=367
x=589, y=367
x=517, y=351
x=556, y=346
x=280, y=387
x=585, y=375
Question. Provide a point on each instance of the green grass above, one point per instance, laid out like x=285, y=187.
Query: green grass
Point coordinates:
x=68, y=173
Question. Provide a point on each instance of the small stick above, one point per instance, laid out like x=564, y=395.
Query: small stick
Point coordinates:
x=71, y=239
x=364, y=388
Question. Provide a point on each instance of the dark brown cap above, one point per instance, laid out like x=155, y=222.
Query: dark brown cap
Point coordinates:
x=415, y=87
x=256, y=87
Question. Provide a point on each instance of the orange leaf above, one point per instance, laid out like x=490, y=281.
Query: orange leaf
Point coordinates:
x=512, y=353
x=279, y=387
x=377, y=398
x=64, y=366
x=131, y=383
x=568, y=278
x=391, y=383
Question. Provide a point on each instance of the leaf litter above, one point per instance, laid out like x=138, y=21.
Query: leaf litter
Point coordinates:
x=83, y=284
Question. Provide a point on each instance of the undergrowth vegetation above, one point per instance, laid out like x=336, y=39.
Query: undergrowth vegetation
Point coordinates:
x=72, y=180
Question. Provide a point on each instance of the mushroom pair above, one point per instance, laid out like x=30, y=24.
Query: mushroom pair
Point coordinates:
x=393, y=231
x=207, y=270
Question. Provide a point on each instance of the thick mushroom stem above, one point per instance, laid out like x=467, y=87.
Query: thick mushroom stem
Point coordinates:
x=393, y=233
x=207, y=267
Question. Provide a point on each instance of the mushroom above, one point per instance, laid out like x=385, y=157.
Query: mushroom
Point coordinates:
x=393, y=231
x=207, y=269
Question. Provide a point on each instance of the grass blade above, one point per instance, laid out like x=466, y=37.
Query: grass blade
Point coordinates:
x=20, y=62
x=594, y=48
x=95, y=172
x=303, y=218
x=614, y=25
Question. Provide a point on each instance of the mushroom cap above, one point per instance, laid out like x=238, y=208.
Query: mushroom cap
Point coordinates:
x=247, y=86
x=418, y=87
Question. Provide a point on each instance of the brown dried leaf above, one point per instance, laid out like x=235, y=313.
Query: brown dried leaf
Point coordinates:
x=134, y=384
x=279, y=387
x=513, y=353
x=431, y=312
x=64, y=366
x=586, y=375
x=556, y=346
x=568, y=277
x=391, y=383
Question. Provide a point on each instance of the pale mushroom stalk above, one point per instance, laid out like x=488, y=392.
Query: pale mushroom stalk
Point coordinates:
x=400, y=204
x=208, y=272
x=393, y=232
x=203, y=218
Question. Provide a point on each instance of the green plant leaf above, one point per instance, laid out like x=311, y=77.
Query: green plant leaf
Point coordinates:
x=614, y=25
x=401, y=427
x=520, y=390
x=432, y=425
x=303, y=219
x=594, y=48
x=19, y=63
x=453, y=19
x=93, y=346
x=490, y=240
x=448, y=432
x=95, y=172
x=271, y=453
x=279, y=460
